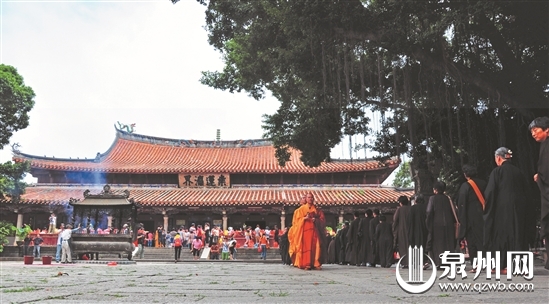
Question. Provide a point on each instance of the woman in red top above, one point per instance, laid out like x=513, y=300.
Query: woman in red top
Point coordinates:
x=149, y=239
x=263, y=243
x=197, y=246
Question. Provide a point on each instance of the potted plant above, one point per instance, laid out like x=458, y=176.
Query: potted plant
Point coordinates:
x=6, y=230
x=23, y=238
x=23, y=232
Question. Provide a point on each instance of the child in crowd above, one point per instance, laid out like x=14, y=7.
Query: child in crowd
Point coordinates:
x=149, y=239
x=225, y=251
x=214, y=251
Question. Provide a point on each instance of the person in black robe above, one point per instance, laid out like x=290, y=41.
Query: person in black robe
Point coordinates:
x=365, y=251
x=276, y=234
x=332, y=251
x=284, y=247
x=353, y=240
x=470, y=211
x=341, y=238
x=440, y=223
x=384, y=238
x=418, y=214
x=539, y=128
x=324, y=243
x=506, y=203
x=374, y=257
x=401, y=226
x=337, y=244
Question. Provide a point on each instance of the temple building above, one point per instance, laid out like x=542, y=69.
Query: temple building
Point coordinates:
x=178, y=182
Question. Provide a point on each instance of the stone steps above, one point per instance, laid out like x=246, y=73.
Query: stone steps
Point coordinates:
x=150, y=254
x=241, y=254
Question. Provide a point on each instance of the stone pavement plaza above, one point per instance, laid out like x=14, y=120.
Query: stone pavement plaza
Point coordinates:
x=232, y=282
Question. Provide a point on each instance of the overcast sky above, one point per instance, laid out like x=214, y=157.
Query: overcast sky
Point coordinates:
x=93, y=63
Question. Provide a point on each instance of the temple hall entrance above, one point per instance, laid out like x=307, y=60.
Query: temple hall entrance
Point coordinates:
x=148, y=225
x=253, y=224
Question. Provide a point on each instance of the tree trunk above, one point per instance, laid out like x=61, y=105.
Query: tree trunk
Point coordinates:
x=423, y=179
x=501, y=128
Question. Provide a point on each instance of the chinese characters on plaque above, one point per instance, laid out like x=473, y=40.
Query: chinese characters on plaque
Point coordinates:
x=214, y=180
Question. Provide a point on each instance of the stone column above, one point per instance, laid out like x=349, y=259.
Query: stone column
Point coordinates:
x=166, y=223
x=225, y=220
x=282, y=219
x=19, y=219
x=341, y=213
x=19, y=224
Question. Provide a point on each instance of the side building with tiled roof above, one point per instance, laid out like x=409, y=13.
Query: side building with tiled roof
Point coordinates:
x=178, y=182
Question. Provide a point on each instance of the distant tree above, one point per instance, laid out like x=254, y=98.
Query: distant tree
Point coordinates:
x=403, y=177
x=16, y=100
x=11, y=179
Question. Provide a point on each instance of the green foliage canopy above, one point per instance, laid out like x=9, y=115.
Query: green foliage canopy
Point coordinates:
x=6, y=229
x=16, y=100
x=403, y=177
x=460, y=78
x=11, y=179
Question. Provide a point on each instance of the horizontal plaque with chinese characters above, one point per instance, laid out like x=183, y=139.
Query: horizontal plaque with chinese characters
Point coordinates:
x=214, y=180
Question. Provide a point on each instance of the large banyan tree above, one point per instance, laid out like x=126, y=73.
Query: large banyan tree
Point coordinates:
x=454, y=79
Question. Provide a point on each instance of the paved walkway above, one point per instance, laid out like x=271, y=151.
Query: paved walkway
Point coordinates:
x=234, y=282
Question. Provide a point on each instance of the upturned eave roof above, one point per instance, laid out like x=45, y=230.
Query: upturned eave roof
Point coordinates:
x=141, y=154
x=186, y=197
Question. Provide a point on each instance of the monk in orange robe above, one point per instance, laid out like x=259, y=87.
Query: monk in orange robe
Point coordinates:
x=307, y=235
x=156, y=243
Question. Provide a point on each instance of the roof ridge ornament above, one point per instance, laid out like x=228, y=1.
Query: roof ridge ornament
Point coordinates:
x=106, y=189
x=129, y=128
x=107, y=192
x=15, y=148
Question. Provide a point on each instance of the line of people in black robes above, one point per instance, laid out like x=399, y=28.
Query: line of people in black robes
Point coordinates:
x=371, y=240
x=365, y=241
x=504, y=222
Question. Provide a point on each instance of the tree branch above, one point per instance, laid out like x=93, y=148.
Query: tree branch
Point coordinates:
x=485, y=85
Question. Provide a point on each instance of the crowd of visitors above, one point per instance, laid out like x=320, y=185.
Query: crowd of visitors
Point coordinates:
x=195, y=239
x=219, y=242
